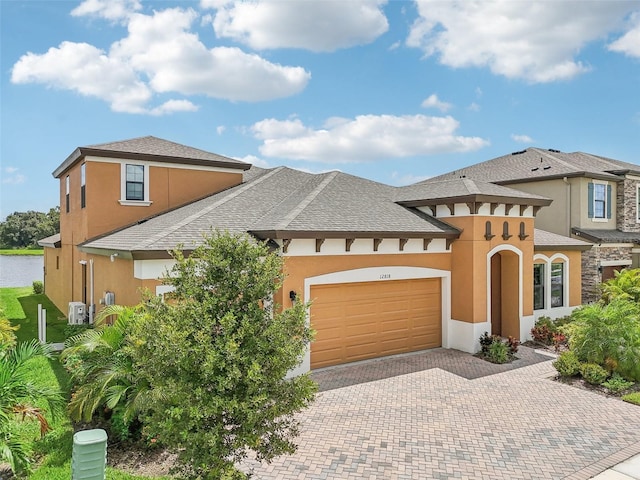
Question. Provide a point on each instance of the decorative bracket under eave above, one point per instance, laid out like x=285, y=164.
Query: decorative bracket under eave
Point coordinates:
x=425, y=243
x=376, y=244
x=347, y=244
x=449, y=242
x=403, y=242
x=319, y=242
x=285, y=244
x=474, y=207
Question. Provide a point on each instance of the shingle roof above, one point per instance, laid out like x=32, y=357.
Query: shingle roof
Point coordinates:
x=282, y=203
x=463, y=190
x=151, y=149
x=607, y=236
x=535, y=163
x=543, y=239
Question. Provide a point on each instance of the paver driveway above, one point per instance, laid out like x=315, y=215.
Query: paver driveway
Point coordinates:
x=434, y=424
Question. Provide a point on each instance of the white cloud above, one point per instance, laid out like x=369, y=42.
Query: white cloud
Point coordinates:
x=113, y=10
x=406, y=179
x=521, y=138
x=629, y=43
x=365, y=138
x=317, y=26
x=220, y=129
x=13, y=178
x=159, y=55
x=536, y=41
x=474, y=107
x=434, y=102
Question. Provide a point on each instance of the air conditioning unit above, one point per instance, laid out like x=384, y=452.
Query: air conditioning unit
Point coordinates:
x=109, y=298
x=77, y=313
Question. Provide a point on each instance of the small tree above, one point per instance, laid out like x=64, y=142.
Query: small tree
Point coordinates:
x=220, y=359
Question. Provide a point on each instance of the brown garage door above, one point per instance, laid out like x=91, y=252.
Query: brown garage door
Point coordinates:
x=356, y=321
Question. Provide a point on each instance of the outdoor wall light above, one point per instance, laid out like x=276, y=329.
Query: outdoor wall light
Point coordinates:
x=113, y=257
x=293, y=296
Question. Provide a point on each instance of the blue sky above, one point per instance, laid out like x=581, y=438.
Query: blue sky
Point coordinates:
x=395, y=91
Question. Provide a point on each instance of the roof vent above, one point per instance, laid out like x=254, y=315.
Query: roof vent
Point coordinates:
x=518, y=153
x=547, y=167
x=554, y=150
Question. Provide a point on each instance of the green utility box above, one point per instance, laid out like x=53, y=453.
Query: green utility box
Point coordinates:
x=89, y=459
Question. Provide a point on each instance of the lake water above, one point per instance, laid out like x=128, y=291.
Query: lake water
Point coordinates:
x=20, y=270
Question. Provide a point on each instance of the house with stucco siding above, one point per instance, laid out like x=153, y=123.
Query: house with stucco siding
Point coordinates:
x=389, y=269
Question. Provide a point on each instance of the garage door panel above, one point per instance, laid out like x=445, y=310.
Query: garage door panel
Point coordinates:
x=357, y=321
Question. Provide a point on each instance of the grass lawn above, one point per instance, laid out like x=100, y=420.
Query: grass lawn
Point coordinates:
x=20, y=306
x=53, y=452
x=22, y=251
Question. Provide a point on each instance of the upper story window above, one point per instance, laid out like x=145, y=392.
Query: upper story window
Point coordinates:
x=83, y=187
x=135, y=185
x=135, y=182
x=599, y=201
x=66, y=196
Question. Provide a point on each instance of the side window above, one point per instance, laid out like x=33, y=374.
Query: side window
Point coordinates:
x=134, y=182
x=66, y=197
x=638, y=202
x=538, y=286
x=557, y=284
x=83, y=188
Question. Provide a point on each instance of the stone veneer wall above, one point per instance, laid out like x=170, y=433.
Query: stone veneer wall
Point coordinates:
x=591, y=259
x=626, y=215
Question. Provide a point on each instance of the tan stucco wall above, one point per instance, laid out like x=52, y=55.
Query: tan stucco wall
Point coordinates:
x=299, y=268
x=469, y=265
x=570, y=205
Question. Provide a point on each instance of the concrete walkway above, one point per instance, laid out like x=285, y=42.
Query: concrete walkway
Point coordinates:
x=435, y=424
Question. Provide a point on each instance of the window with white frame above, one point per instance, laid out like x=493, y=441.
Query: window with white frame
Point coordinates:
x=538, y=286
x=557, y=284
x=83, y=185
x=599, y=200
x=66, y=195
x=550, y=281
x=134, y=189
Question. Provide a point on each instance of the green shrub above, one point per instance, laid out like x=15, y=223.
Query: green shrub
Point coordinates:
x=73, y=330
x=617, y=384
x=38, y=287
x=632, y=398
x=567, y=364
x=608, y=335
x=498, y=352
x=593, y=373
x=625, y=285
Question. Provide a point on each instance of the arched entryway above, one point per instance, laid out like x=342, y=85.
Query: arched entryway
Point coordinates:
x=505, y=292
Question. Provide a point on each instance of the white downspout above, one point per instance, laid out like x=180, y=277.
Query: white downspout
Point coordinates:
x=568, y=223
x=91, y=306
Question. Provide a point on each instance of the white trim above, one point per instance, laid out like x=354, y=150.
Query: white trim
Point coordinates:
x=379, y=274
x=465, y=336
x=614, y=245
x=362, y=246
x=615, y=263
x=163, y=164
x=162, y=289
x=152, y=269
x=547, y=282
x=490, y=254
x=637, y=205
x=123, y=184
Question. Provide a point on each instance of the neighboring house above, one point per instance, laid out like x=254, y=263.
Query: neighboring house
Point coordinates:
x=389, y=269
x=596, y=199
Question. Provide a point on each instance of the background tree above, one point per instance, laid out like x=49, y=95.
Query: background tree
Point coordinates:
x=624, y=285
x=24, y=229
x=221, y=359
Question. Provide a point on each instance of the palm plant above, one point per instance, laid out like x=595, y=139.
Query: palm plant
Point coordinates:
x=625, y=285
x=19, y=397
x=101, y=367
